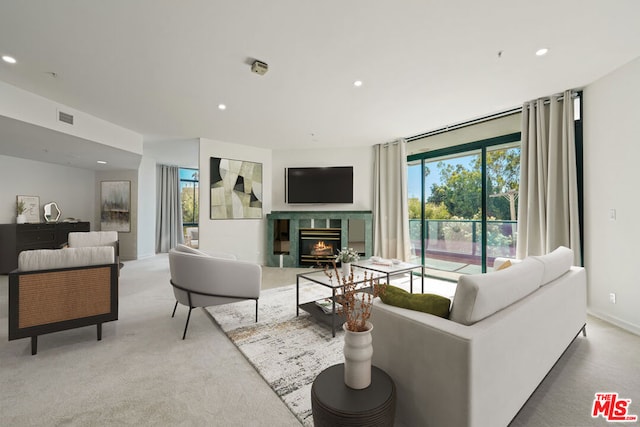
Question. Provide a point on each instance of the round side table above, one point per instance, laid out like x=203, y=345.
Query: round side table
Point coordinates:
x=335, y=404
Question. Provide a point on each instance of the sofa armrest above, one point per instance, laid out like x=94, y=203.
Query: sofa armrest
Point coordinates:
x=429, y=359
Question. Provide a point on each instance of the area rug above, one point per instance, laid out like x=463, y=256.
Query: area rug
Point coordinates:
x=287, y=351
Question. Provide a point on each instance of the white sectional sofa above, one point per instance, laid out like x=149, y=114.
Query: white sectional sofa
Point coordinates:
x=505, y=332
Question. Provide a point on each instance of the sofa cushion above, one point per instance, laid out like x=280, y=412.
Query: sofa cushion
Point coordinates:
x=47, y=259
x=555, y=263
x=427, y=303
x=480, y=295
x=92, y=238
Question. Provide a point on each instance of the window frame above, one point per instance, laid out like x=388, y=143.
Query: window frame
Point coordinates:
x=196, y=189
x=480, y=145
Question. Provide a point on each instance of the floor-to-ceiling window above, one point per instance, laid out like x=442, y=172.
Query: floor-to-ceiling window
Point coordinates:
x=189, y=182
x=463, y=204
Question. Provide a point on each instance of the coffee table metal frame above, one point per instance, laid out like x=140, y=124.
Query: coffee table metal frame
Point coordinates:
x=320, y=278
x=393, y=270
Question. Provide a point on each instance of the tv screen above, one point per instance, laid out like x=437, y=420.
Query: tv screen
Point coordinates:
x=319, y=185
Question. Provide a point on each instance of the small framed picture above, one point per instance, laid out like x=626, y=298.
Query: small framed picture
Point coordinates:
x=31, y=206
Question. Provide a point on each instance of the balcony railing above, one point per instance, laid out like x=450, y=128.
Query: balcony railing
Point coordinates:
x=460, y=240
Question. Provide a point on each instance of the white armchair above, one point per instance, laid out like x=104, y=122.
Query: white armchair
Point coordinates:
x=203, y=280
x=192, y=237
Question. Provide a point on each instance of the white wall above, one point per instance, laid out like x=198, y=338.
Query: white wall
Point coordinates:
x=246, y=238
x=31, y=108
x=71, y=188
x=146, y=207
x=182, y=153
x=611, y=159
x=361, y=158
x=128, y=241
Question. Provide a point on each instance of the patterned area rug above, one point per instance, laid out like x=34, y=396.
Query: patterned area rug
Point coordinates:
x=288, y=351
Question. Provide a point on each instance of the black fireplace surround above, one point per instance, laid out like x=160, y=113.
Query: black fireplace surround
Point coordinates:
x=318, y=246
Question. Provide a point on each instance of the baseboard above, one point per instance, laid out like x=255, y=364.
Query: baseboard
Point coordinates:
x=622, y=324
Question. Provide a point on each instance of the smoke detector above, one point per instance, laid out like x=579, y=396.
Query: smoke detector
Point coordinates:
x=259, y=67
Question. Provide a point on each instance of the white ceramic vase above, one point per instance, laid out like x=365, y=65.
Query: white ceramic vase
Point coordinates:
x=357, y=357
x=21, y=219
x=346, y=269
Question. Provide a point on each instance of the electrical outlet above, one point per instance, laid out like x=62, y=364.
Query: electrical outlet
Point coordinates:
x=612, y=298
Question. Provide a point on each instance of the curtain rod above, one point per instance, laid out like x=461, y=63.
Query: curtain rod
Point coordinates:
x=465, y=124
x=560, y=97
x=396, y=142
x=574, y=94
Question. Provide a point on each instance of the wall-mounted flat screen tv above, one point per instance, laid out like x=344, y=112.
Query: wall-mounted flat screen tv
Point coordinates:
x=319, y=184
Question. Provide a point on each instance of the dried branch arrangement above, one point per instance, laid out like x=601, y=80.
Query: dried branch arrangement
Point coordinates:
x=356, y=299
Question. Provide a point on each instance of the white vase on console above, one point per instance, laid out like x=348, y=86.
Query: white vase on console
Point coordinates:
x=346, y=269
x=21, y=219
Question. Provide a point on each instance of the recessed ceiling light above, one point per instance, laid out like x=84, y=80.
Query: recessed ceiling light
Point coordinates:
x=102, y=162
x=541, y=52
x=357, y=83
x=222, y=107
x=9, y=59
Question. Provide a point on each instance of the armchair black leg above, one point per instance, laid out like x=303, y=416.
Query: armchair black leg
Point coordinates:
x=99, y=325
x=187, y=324
x=256, y=311
x=34, y=345
x=174, y=309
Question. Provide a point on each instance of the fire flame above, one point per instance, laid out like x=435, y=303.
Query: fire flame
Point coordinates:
x=321, y=248
x=321, y=245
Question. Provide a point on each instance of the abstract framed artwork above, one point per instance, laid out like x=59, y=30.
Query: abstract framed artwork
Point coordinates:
x=235, y=189
x=31, y=208
x=115, y=206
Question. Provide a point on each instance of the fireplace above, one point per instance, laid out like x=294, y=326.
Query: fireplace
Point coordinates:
x=318, y=245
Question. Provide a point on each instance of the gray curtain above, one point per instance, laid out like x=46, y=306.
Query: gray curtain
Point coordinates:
x=548, y=214
x=390, y=206
x=169, y=209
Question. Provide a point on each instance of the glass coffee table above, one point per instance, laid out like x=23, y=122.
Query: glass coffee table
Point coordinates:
x=331, y=318
x=392, y=269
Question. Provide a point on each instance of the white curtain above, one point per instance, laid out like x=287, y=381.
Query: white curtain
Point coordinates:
x=169, y=209
x=548, y=214
x=390, y=208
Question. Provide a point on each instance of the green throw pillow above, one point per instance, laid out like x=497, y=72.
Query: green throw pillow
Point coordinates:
x=427, y=303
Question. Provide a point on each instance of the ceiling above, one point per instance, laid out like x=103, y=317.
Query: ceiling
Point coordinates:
x=161, y=68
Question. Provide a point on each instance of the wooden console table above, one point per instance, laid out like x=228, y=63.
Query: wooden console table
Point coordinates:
x=15, y=238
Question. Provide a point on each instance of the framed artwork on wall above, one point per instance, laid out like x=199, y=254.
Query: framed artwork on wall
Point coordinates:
x=235, y=189
x=31, y=207
x=115, y=206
